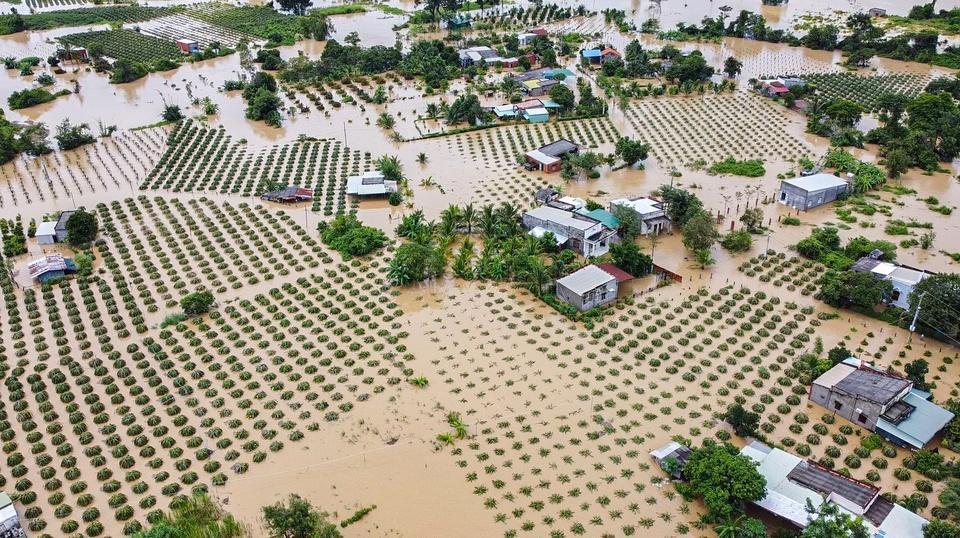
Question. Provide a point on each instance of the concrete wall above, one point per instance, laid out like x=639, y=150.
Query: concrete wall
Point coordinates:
x=903, y=300
x=798, y=198
x=590, y=299
x=576, y=236
x=848, y=406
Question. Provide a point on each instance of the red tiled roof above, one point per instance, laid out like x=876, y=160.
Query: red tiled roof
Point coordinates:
x=615, y=272
x=610, y=50
x=538, y=31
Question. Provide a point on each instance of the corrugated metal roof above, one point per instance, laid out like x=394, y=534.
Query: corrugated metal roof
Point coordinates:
x=923, y=423
x=586, y=279
x=816, y=182
x=48, y=227
x=834, y=375
x=872, y=385
x=561, y=217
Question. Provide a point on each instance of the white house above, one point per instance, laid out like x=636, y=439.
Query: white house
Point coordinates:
x=46, y=232
x=371, y=183
x=792, y=482
x=653, y=217
x=585, y=235
x=588, y=288
x=903, y=279
x=811, y=191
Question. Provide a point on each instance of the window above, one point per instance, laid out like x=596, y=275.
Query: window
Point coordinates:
x=837, y=405
x=783, y=195
x=895, y=296
x=862, y=418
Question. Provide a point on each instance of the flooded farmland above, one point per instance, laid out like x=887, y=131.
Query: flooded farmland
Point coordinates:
x=470, y=399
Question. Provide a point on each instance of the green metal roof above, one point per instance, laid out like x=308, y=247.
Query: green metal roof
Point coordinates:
x=604, y=216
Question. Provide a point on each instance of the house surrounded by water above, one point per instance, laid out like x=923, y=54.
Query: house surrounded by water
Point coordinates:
x=880, y=402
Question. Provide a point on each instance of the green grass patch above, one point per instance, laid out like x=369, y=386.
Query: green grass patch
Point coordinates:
x=345, y=9
x=748, y=168
x=84, y=17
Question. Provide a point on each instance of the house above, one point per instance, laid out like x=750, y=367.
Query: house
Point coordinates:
x=46, y=233
x=880, y=402
x=60, y=228
x=792, y=482
x=538, y=87
x=188, y=46
x=76, y=54
x=672, y=457
x=371, y=183
x=9, y=521
x=539, y=31
x=587, y=288
x=811, y=191
x=584, y=235
x=877, y=12
x=487, y=55
x=288, y=195
x=607, y=218
x=610, y=53
x=525, y=39
x=50, y=267
x=593, y=56
x=651, y=213
x=904, y=279
x=536, y=115
x=545, y=196
x=549, y=158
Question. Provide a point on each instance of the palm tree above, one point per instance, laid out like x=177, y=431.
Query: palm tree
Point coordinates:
x=487, y=221
x=732, y=528
x=422, y=158
x=469, y=217
x=452, y=217
x=432, y=110
x=508, y=214
x=535, y=275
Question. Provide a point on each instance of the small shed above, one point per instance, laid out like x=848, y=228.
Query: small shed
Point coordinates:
x=49, y=267
x=877, y=12
x=372, y=183
x=526, y=38
x=587, y=288
x=188, y=46
x=458, y=21
x=593, y=56
x=46, y=233
x=289, y=195
x=9, y=521
x=811, y=191
x=536, y=115
x=545, y=195
x=672, y=457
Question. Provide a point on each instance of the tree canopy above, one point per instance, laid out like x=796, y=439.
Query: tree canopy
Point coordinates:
x=82, y=227
x=296, y=518
x=940, y=311
x=724, y=478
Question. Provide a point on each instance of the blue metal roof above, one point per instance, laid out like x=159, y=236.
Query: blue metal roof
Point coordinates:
x=923, y=423
x=591, y=53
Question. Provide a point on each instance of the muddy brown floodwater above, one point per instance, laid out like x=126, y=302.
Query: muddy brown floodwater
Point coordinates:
x=300, y=383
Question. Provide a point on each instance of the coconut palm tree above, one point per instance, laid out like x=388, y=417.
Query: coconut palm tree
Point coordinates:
x=469, y=217
x=487, y=221
x=535, y=275
x=451, y=217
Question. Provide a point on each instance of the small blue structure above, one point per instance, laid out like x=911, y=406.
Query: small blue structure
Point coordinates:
x=536, y=115
x=458, y=21
x=50, y=267
x=592, y=55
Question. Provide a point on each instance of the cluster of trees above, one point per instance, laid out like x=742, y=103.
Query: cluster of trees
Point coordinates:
x=31, y=97
x=699, y=226
x=432, y=60
x=17, y=138
x=197, y=303
x=14, y=238
x=726, y=481
x=70, y=136
x=923, y=131
x=350, y=237
x=263, y=104
x=82, y=228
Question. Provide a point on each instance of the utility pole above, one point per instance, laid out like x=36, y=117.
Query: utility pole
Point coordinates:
x=913, y=324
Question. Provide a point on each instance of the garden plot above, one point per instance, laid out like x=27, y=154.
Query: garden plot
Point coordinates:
x=127, y=45
x=202, y=159
x=561, y=415
x=512, y=187
x=685, y=130
x=867, y=90
x=174, y=27
x=141, y=416
x=260, y=21
x=118, y=163
x=50, y=5
x=497, y=148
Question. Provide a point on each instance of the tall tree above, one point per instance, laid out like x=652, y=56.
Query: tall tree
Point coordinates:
x=940, y=308
x=724, y=478
x=700, y=232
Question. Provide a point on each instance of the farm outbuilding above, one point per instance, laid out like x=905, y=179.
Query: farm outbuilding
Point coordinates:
x=811, y=191
x=46, y=233
x=188, y=46
x=372, y=183
x=49, y=267
x=288, y=195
